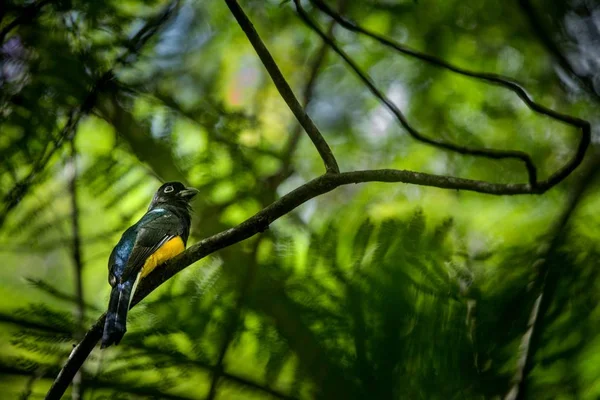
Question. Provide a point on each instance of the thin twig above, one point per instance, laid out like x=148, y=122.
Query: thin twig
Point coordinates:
x=490, y=78
x=286, y=169
x=284, y=88
x=389, y=104
x=494, y=79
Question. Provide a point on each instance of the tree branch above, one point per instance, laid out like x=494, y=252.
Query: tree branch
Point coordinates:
x=314, y=188
x=260, y=221
x=389, y=104
x=284, y=88
x=493, y=79
x=486, y=77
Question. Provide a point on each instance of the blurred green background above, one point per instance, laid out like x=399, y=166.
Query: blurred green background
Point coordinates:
x=373, y=291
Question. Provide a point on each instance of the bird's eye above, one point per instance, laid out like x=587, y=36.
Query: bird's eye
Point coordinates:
x=169, y=189
x=112, y=280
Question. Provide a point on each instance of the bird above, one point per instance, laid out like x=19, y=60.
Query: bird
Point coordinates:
x=158, y=236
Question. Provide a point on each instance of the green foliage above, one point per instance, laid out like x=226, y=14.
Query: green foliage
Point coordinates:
x=380, y=291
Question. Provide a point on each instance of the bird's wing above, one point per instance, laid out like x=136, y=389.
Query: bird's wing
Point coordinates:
x=152, y=234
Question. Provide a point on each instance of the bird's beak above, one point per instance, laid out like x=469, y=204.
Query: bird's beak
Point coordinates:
x=188, y=193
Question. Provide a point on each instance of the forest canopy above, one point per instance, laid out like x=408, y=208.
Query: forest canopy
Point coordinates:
x=397, y=198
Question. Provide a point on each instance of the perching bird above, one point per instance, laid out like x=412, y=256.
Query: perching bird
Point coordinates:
x=159, y=235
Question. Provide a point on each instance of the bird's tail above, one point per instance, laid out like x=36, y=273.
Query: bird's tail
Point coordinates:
x=116, y=316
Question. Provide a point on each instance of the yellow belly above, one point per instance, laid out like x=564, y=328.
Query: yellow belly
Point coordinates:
x=164, y=253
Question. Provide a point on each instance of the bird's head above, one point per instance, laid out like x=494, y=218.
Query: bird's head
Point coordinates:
x=173, y=193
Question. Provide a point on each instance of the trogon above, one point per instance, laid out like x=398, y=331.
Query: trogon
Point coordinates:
x=159, y=235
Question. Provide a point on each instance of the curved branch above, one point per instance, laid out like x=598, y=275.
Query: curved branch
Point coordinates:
x=389, y=104
x=260, y=222
x=494, y=79
x=284, y=88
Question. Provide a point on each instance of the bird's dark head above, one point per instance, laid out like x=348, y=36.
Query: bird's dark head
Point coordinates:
x=173, y=193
